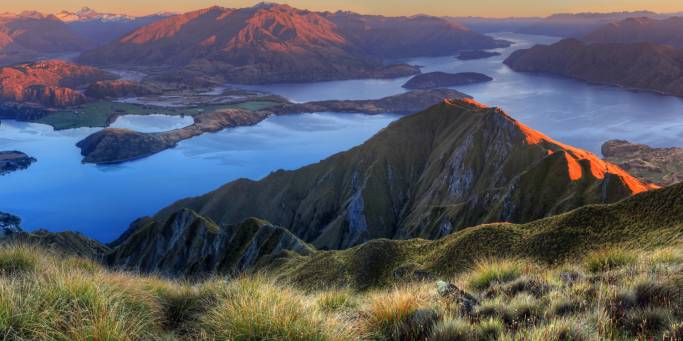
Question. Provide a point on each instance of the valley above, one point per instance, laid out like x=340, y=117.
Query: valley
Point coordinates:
x=274, y=172
x=204, y=163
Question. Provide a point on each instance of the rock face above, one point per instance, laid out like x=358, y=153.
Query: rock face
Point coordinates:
x=442, y=79
x=649, y=67
x=640, y=30
x=114, y=145
x=13, y=161
x=406, y=103
x=476, y=54
x=663, y=166
x=48, y=83
x=189, y=245
x=120, y=88
x=455, y=165
x=272, y=43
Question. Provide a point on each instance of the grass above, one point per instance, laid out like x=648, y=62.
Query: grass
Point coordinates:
x=608, y=259
x=44, y=296
x=488, y=272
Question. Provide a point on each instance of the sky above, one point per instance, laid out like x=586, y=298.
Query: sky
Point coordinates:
x=488, y=8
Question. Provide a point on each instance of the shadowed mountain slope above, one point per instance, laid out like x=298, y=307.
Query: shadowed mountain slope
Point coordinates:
x=648, y=220
x=455, y=165
x=189, y=245
x=639, y=66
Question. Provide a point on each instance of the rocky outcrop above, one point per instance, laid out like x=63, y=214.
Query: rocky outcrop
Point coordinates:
x=663, y=166
x=113, y=145
x=455, y=165
x=642, y=66
x=433, y=80
x=405, y=103
x=120, y=88
x=48, y=83
x=9, y=224
x=189, y=245
x=63, y=243
x=13, y=161
x=476, y=54
x=273, y=43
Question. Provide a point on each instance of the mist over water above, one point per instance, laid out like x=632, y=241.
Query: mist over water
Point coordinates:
x=60, y=193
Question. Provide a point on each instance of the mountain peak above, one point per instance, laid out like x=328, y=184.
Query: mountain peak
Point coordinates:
x=454, y=165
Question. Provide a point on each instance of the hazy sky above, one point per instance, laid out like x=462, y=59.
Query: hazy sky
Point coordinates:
x=491, y=8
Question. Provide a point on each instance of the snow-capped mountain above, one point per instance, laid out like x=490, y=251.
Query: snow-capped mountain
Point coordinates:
x=89, y=14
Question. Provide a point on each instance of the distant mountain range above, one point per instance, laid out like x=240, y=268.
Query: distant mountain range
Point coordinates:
x=102, y=28
x=640, y=30
x=636, y=53
x=455, y=165
x=277, y=43
x=30, y=35
x=561, y=25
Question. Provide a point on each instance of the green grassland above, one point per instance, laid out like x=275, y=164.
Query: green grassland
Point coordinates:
x=103, y=113
x=610, y=294
x=601, y=272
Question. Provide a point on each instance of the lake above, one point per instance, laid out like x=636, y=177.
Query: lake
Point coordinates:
x=60, y=193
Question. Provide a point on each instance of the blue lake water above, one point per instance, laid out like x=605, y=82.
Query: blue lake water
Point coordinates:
x=60, y=193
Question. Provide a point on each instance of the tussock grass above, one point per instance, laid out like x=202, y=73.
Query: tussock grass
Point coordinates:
x=609, y=259
x=491, y=271
x=16, y=259
x=44, y=297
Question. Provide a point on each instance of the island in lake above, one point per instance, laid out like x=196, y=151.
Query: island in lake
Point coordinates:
x=438, y=79
x=13, y=160
x=120, y=145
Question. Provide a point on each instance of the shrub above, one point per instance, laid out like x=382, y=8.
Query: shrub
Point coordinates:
x=564, y=307
x=17, y=259
x=398, y=315
x=337, y=300
x=523, y=309
x=490, y=329
x=488, y=272
x=561, y=330
x=453, y=330
x=258, y=309
x=646, y=323
x=609, y=259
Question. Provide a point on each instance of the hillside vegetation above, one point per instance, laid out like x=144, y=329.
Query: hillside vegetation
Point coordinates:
x=614, y=294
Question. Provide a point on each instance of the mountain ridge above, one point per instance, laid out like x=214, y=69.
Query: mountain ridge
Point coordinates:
x=455, y=165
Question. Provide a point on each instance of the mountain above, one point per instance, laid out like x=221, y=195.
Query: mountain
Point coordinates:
x=640, y=30
x=30, y=35
x=647, y=220
x=103, y=28
x=89, y=14
x=50, y=83
x=277, y=43
x=639, y=66
x=402, y=37
x=566, y=25
x=455, y=165
x=189, y=245
x=663, y=166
